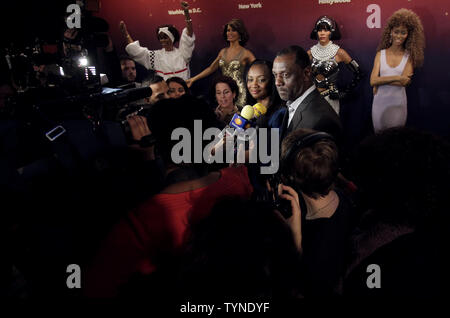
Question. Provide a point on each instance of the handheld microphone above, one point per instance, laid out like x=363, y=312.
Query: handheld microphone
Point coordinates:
x=259, y=109
x=242, y=120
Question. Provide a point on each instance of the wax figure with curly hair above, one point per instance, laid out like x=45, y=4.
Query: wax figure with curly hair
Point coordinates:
x=233, y=59
x=325, y=57
x=400, y=51
x=170, y=60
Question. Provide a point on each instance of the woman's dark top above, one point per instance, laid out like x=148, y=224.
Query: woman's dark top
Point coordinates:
x=324, y=244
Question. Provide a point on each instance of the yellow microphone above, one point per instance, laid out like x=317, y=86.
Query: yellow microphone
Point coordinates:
x=259, y=110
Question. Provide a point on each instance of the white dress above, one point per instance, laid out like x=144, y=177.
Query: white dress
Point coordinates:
x=389, y=108
x=165, y=63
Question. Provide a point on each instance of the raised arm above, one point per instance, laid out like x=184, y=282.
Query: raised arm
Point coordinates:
x=207, y=71
x=185, y=7
x=140, y=54
x=126, y=35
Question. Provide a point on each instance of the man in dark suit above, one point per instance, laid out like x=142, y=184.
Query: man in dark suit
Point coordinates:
x=306, y=106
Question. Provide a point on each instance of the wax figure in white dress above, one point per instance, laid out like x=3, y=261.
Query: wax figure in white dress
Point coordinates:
x=169, y=61
x=399, y=52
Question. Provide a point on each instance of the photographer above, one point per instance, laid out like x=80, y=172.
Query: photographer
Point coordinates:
x=150, y=235
x=309, y=164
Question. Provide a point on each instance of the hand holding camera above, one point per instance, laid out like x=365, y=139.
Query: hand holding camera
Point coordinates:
x=287, y=202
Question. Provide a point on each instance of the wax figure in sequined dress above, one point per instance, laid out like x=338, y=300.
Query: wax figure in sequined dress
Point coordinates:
x=233, y=59
x=325, y=57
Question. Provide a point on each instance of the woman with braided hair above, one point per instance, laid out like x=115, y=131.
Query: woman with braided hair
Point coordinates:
x=399, y=52
x=325, y=57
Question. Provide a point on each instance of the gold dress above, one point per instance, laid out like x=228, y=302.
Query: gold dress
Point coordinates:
x=235, y=70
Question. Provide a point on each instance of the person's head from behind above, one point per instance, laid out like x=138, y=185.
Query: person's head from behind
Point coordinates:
x=235, y=31
x=159, y=87
x=260, y=82
x=225, y=91
x=402, y=174
x=177, y=87
x=292, y=72
x=309, y=162
x=167, y=35
x=128, y=67
x=169, y=116
x=243, y=249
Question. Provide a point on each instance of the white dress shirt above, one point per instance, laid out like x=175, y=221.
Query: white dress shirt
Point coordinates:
x=292, y=106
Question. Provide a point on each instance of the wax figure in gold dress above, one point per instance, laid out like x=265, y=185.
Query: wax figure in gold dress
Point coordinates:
x=233, y=59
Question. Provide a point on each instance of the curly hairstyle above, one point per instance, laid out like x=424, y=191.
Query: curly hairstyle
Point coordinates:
x=415, y=43
x=237, y=25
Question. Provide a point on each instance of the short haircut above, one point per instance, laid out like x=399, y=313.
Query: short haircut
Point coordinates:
x=313, y=168
x=126, y=58
x=227, y=80
x=178, y=80
x=152, y=79
x=237, y=25
x=301, y=57
x=327, y=23
x=172, y=30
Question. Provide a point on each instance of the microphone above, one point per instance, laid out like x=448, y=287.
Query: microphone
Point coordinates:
x=241, y=121
x=259, y=109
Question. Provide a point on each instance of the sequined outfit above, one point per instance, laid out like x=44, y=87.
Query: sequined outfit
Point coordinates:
x=235, y=70
x=325, y=71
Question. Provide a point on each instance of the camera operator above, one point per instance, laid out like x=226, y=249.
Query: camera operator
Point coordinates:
x=128, y=68
x=309, y=164
x=159, y=87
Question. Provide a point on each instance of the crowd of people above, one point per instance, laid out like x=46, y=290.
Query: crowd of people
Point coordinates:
x=195, y=231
